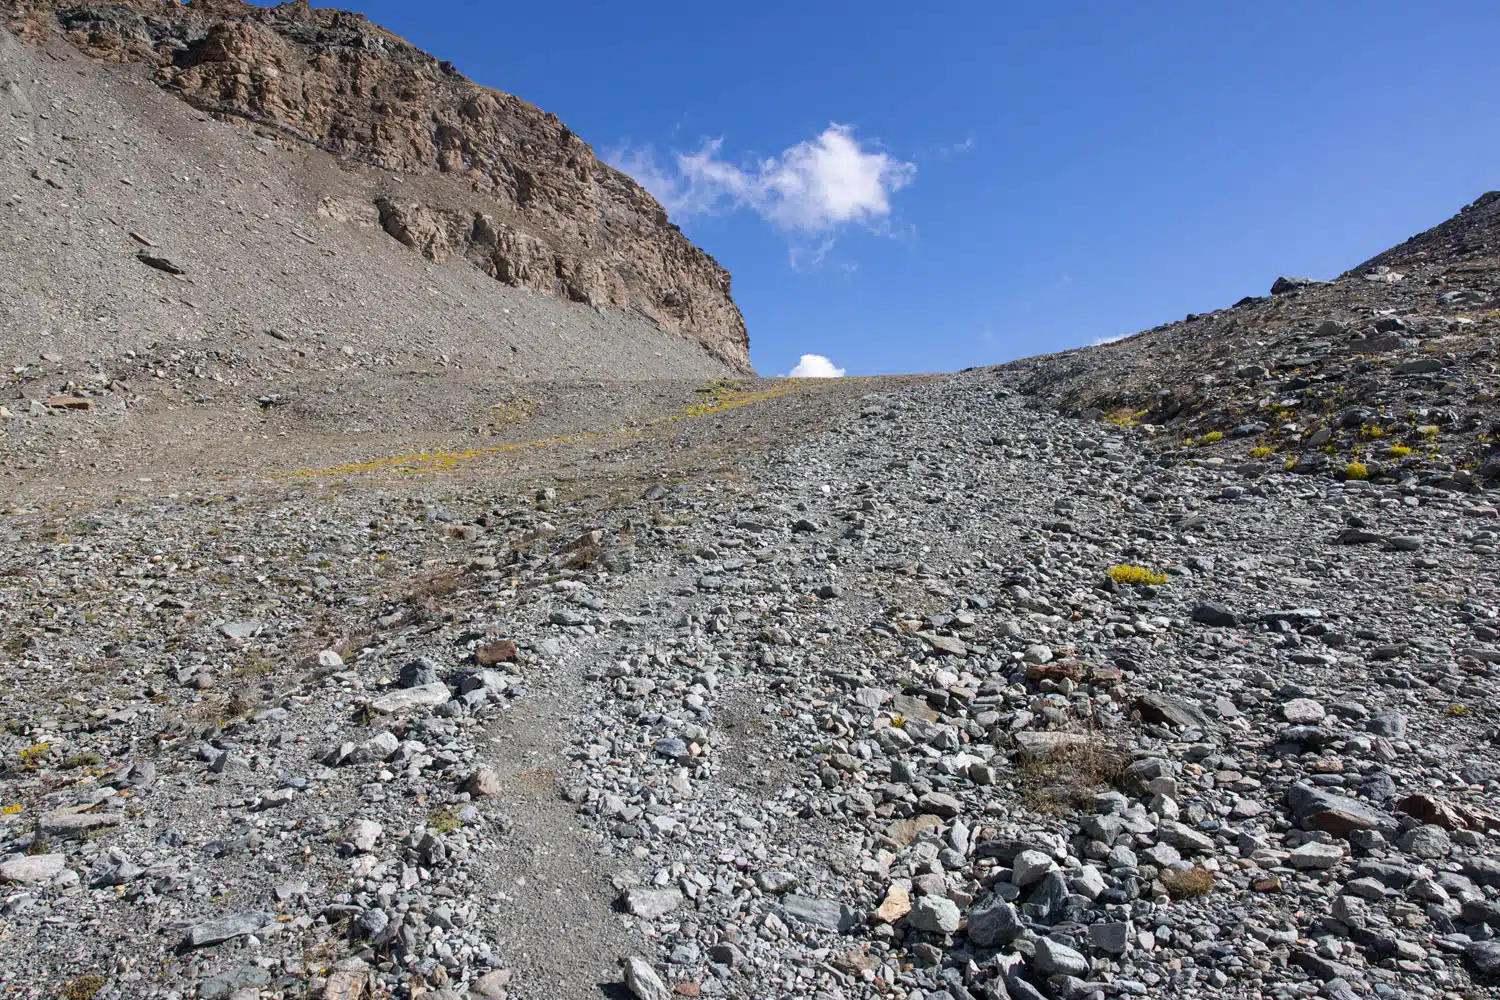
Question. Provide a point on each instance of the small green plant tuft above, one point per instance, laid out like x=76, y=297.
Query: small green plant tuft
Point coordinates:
x=1262, y=452
x=1186, y=883
x=31, y=757
x=1357, y=470
x=84, y=987
x=1211, y=437
x=1135, y=575
x=443, y=820
x=1398, y=451
x=1124, y=416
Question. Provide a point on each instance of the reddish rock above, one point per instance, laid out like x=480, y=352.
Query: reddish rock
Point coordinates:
x=500, y=651
x=1450, y=816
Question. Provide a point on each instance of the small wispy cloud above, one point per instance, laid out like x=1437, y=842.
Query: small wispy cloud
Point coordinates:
x=815, y=366
x=810, y=190
x=958, y=148
x=1109, y=340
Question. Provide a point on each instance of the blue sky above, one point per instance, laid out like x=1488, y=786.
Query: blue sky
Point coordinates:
x=1008, y=179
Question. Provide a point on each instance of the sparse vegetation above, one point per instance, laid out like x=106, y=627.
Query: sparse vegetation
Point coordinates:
x=516, y=410
x=1211, y=437
x=31, y=757
x=1187, y=883
x=1125, y=573
x=1398, y=451
x=84, y=987
x=1357, y=471
x=1066, y=780
x=1124, y=416
x=1263, y=451
x=443, y=820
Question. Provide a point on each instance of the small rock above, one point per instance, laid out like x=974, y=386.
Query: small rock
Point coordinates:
x=643, y=982
x=224, y=928
x=1303, y=712
x=650, y=903
x=1053, y=958
x=1315, y=856
x=935, y=914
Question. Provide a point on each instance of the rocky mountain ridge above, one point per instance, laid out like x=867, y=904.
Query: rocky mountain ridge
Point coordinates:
x=518, y=194
x=1388, y=370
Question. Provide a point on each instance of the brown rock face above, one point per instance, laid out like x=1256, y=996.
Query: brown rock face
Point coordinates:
x=505, y=185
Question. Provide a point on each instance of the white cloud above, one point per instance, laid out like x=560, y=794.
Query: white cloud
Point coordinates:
x=812, y=187
x=1109, y=340
x=958, y=148
x=816, y=366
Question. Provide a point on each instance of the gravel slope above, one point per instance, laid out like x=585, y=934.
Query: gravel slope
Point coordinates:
x=866, y=717
x=286, y=269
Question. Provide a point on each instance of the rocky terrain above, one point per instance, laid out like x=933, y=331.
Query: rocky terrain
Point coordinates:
x=1389, y=370
x=354, y=645
x=296, y=188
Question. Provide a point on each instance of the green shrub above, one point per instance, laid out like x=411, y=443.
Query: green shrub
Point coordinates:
x=1135, y=575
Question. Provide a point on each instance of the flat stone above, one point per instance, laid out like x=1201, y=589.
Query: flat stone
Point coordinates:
x=1321, y=809
x=1185, y=837
x=948, y=645
x=828, y=914
x=940, y=804
x=1053, y=958
x=651, y=903
x=1112, y=936
x=32, y=869
x=903, y=831
x=224, y=928
x=1044, y=745
x=1172, y=711
x=240, y=630
x=909, y=707
x=404, y=699
x=1303, y=712
x=1315, y=856
x=1214, y=615
x=935, y=914
x=67, y=824
x=225, y=984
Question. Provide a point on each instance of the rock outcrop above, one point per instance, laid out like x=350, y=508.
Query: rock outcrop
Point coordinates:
x=504, y=184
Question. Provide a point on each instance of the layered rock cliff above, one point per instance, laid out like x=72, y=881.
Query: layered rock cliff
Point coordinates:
x=506, y=186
